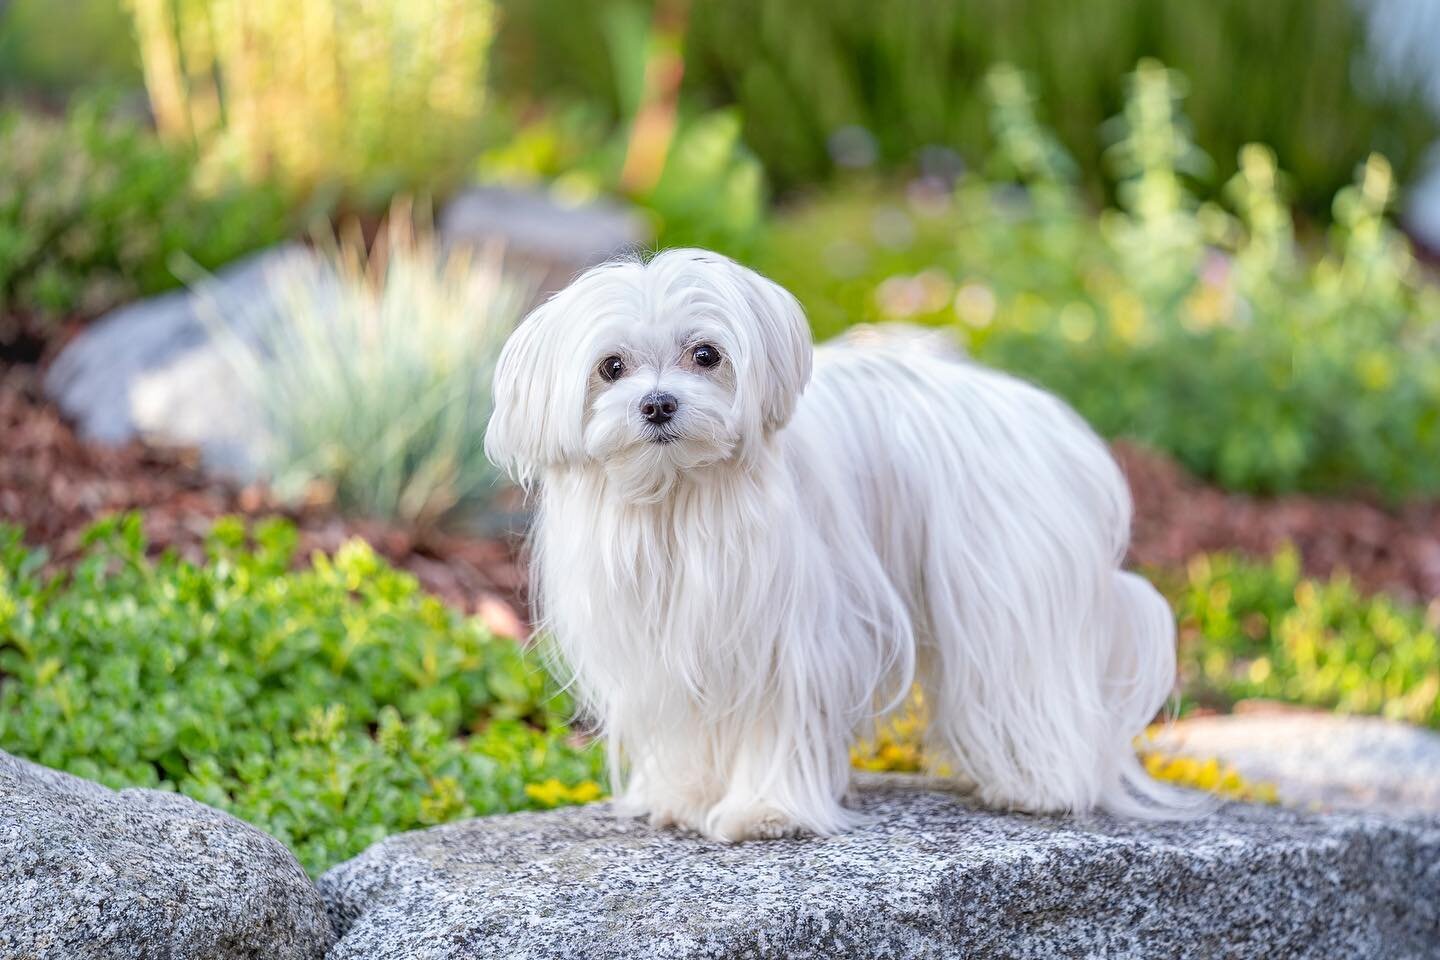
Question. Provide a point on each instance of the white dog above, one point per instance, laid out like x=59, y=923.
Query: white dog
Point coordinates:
x=739, y=577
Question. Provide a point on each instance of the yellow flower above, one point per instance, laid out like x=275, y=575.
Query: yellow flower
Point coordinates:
x=586, y=791
x=553, y=793
x=1209, y=775
x=897, y=744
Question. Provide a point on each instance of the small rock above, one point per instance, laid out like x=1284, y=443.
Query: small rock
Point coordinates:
x=931, y=875
x=89, y=872
x=1321, y=760
x=542, y=237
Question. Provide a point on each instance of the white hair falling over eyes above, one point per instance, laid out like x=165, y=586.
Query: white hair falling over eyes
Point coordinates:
x=740, y=571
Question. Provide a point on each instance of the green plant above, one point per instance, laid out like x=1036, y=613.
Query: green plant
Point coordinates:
x=93, y=211
x=1264, y=630
x=330, y=706
x=1203, y=330
x=367, y=98
x=372, y=371
x=1296, y=73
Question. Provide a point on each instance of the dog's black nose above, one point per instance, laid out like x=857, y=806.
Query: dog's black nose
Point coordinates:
x=658, y=407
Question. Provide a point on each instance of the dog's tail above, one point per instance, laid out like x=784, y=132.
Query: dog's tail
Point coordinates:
x=1141, y=676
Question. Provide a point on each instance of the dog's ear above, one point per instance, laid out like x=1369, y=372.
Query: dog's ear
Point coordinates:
x=539, y=398
x=781, y=358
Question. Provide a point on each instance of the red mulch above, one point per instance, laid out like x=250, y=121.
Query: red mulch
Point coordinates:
x=1177, y=516
x=54, y=486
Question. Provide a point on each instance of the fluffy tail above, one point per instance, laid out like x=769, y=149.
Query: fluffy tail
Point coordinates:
x=1141, y=679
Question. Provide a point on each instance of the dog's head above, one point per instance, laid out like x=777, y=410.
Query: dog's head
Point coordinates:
x=649, y=370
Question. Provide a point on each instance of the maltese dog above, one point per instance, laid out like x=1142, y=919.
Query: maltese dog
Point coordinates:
x=744, y=563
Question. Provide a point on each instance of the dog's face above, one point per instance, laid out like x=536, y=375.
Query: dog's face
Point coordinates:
x=648, y=371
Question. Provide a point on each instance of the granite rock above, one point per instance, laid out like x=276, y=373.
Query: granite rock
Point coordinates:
x=1321, y=760
x=88, y=872
x=930, y=875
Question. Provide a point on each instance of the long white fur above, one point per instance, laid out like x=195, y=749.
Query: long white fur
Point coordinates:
x=735, y=605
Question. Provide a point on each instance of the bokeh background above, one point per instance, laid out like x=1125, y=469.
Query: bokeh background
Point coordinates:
x=257, y=258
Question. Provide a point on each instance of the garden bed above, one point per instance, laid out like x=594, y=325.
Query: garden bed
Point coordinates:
x=53, y=485
x=1178, y=517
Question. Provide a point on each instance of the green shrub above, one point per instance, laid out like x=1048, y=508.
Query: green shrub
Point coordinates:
x=1263, y=630
x=93, y=210
x=372, y=370
x=1204, y=331
x=367, y=99
x=329, y=706
x=1292, y=72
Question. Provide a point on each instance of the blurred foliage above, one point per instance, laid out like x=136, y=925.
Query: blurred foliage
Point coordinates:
x=372, y=370
x=827, y=83
x=93, y=211
x=52, y=47
x=1250, y=630
x=330, y=707
x=329, y=97
x=370, y=99
x=688, y=171
x=1202, y=330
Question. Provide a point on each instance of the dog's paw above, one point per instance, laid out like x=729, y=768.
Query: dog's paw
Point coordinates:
x=677, y=805
x=758, y=821
x=680, y=817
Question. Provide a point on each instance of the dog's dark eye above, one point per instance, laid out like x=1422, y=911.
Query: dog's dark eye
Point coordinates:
x=705, y=355
x=611, y=368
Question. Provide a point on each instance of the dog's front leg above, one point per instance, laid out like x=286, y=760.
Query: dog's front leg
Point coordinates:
x=677, y=791
x=782, y=783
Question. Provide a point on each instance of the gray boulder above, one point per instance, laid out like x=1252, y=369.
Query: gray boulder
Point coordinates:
x=89, y=872
x=931, y=875
x=543, y=238
x=153, y=369
x=1321, y=760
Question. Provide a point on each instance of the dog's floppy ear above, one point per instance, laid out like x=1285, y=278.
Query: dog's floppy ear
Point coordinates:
x=539, y=402
x=780, y=360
